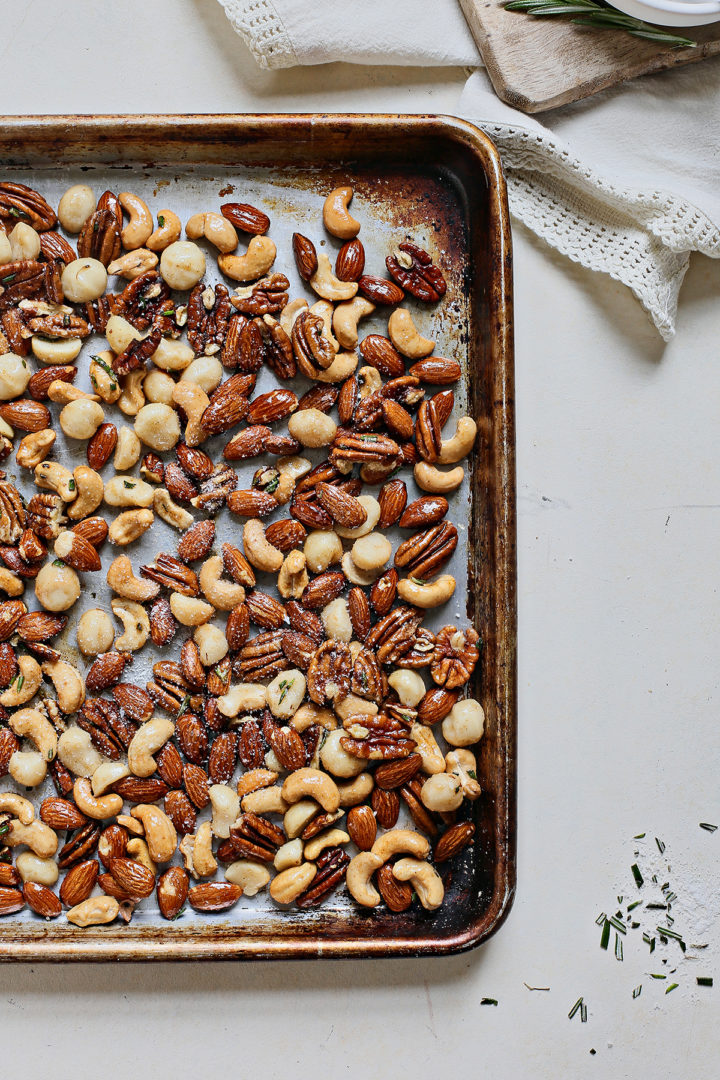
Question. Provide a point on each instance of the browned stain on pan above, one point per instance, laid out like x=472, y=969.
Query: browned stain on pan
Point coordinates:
x=442, y=176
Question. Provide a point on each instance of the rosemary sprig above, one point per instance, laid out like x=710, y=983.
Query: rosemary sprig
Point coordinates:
x=602, y=17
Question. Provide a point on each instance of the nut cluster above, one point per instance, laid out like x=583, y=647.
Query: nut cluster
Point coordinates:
x=302, y=705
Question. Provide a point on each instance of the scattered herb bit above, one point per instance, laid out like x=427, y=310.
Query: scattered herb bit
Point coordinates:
x=543, y=988
x=671, y=987
x=488, y=1001
x=472, y=774
x=600, y=919
x=180, y=913
x=161, y=221
x=707, y=826
x=635, y=903
x=583, y=1013
x=8, y=278
x=593, y=1051
x=704, y=980
x=184, y=707
x=615, y=922
x=104, y=365
x=640, y=836
x=661, y=845
x=575, y=1008
x=649, y=941
x=639, y=879
x=703, y=946
x=605, y=936
x=59, y=563
x=618, y=947
x=71, y=485
x=637, y=991
x=19, y=683
x=129, y=483
x=656, y=907
x=654, y=976
x=418, y=580
x=285, y=686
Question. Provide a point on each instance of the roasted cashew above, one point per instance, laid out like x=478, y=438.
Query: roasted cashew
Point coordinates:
x=193, y=401
x=137, y=848
x=255, y=779
x=296, y=817
x=51, y=476
x=341, y=368
x=146, y=742
x=197, y=852
x=38, y=836
x=10, y=583
x=132, y=399
x=140, y=226
x=90, y=488
x=370, y=381
x=336, y=216
x=288, y=884
x=68, y=682
x=190, y=610
x=427, y=594
x=108, y=774
x=267, y=800
x=309, y=714
x=225, y=803
x=96, y=911
x=405, y=336
x=96, y=808
x=135, y=620
x=259, y=551
x=329, y=287
x=170, y=511
x=122, y=580
x=62, y=393
x=133, y=263
x=168, y=231
x=215, y=228
x=34, y=448
x=24, y=686
x=462, y=442
x=325, y=310
x=346, y=318
x=359, y=878
x=130, y=526
x=312, y=784
x=398, y=841
x=355, y=791
x=20, y=808
x=435, y=480
x=326, y=839
x=256, y=261
x=159, y=831
x=290, y=312
x=128, y=491
x=212, y=644
x=222, y=594
x=425, y=880
x=77, y=753
x=428, y=749
x=243, y=698
x=293, y=576
x=461, y=764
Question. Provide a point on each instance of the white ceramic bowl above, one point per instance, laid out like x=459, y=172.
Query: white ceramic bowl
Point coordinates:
x=672, y=12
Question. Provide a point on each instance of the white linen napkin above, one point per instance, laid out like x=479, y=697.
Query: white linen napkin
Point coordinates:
x=627, y=182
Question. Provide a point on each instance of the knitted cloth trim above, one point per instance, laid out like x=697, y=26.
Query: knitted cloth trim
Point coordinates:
x=263, y=31
x=642, y=239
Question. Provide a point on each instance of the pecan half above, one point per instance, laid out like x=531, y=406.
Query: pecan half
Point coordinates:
x=412, y=268
x=455, y=656
x=265, y=297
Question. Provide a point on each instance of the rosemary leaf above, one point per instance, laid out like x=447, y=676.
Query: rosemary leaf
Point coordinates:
x=600, y=16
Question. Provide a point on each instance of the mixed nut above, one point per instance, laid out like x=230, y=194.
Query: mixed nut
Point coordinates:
x=301, y=707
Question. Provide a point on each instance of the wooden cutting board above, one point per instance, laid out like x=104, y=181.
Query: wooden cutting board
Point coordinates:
x=539, y=63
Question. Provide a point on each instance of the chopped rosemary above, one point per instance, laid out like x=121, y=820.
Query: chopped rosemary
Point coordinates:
x=601, y=17
x=184, y=707
x=59, y=563
x=637, y=991
x=19, y=683
x=635, y=903
x=605, y=936
x=8, y=278
x=129, y=483
x=544, y=988
x=704, y=980
x=671, y=987
x=488, y=1001
x=576, y=1006
x=161, y=221
x=649, y=941
x=285, y=687
x=640, y=836
x=583, y=1013
x=600, y=919
x=661, y=845
x=639, y=879
x=617, y=924
x=71, y=485
x=707, y=826
x=618, y=947
x=654, y=976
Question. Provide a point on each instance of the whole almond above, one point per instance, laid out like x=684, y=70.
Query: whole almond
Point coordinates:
x=264, y=610
x=453, y=840
x=162, y=622
x=11, y=611
x=396, y=894
x=178, y=483
x=8, y=664
x=79, y=882
x=101, y=446
x=9, y=877
x=61, y=814
x=110, y=887
x=80, y=555
x=251, y=503
x=9, y=743
x=436, y=370
x=425, y=511
x=170, y=765
x=194, y=462
x=359, y=611
x=380, y=353
x=112, y=844
x=237, y=566
x=40, y=381
x=362, y=827
x=135, y=790
x=386, y=805
x=393, y=774
x=11, y=900
x=398, y=421
x=237, y=627
x=305, y=256
x=228, y=406
x=106, y=669
x=322, y=589
x=344, y=509
x=248, y=443
x=180, y=811
x=196, y=784
x=380, y=290
x=92, y=529
x=26, y=414
x=40, y=626
x=272, y=406
x=436, y=704
x=214, y=895
x=245, y=217
x=286, y=535
x=321, y=397
x=350, y=261
x=197, y=541
x=172, y=891
x=133, y=877
x=392, y=499
x=41, y=900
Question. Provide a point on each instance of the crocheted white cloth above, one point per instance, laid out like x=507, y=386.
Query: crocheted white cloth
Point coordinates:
x=627, y=183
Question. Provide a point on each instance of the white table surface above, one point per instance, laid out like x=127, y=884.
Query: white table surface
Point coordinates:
x=619, y=522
